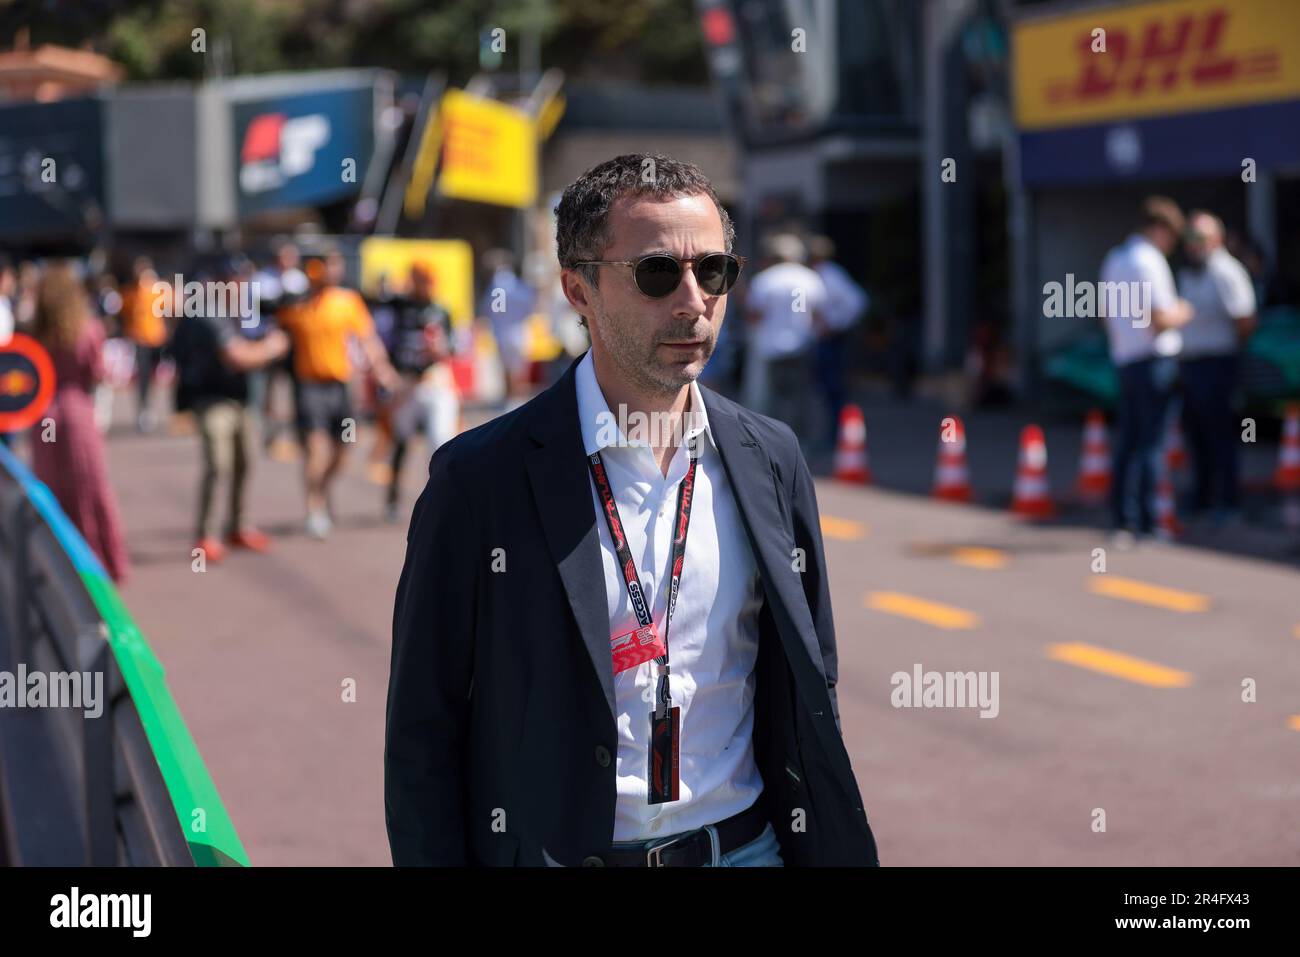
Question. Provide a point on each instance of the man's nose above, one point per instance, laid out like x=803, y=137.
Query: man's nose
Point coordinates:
x=688, y=298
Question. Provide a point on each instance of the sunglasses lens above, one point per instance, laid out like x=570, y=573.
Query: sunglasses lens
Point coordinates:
x=717, y=273
x=657, y=276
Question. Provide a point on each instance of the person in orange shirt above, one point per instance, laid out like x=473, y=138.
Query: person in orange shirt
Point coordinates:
x=143, y=309
x=320, y=328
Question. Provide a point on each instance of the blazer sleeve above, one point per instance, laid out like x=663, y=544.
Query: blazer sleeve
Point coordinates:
x=816, y=586
x=431, y=675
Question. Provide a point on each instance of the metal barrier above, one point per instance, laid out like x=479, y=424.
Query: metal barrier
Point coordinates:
x=126, y=786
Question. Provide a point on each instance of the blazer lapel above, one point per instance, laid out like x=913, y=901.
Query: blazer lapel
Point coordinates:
x=755, y=485
x=557, y=470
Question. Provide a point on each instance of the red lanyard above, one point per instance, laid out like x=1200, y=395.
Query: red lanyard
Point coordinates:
x=628, y=563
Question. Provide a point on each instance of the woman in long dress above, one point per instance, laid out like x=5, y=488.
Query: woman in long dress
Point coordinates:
x=73, y=465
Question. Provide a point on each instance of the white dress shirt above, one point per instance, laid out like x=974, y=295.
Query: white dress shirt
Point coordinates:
x=1145, y=271
x=784, y=296
x=713, y=638
x=1220, y=293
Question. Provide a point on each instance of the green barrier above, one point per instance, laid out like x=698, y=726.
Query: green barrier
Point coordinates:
x=194, y=795
x=200, y=813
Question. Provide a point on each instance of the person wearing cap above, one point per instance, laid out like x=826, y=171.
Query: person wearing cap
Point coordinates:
x=320, y=328
x=1143, y=313
x=612, y=636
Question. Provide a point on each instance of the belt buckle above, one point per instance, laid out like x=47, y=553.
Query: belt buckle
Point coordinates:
x=654, y=855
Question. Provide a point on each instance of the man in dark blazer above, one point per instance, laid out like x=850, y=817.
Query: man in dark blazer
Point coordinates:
x=516, y=734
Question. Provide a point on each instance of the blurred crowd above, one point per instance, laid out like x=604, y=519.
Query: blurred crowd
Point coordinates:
x=287, y=352
x=260, y=353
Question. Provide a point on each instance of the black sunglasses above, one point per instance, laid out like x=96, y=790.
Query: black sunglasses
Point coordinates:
x=658, y=274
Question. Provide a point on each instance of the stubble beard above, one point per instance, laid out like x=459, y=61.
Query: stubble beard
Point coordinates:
x=638, y=361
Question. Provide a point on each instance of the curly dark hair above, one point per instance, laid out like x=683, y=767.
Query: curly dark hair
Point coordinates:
x=582, y=218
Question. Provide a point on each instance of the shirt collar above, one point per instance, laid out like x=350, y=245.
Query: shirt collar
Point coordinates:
x=601, y=428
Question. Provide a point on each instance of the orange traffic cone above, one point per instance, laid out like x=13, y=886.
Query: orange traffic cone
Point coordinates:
x=1287, y=476
x=1176, y=451
x=1030, y=497
x=852, y=463
x=951, y=476
x=1166, y=505
x=1094, y=463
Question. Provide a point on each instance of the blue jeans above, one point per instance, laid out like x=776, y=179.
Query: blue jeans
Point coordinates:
x=762, y=851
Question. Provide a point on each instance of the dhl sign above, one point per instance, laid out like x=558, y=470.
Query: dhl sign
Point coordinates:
x=1148, y=59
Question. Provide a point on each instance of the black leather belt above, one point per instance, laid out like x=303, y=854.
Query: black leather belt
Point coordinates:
x=693, y=848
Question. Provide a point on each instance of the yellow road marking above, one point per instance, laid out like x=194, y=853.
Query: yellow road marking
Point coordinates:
x=842, y=528
x=930, y=612
x=1293, y=722
x=1129, y=589
x=980, y=557
x=1119, y=665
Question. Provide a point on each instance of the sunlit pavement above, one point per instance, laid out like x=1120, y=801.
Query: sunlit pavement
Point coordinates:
x=1118, y=691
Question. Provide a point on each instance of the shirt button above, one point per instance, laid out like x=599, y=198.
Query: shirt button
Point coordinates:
x=602, y=755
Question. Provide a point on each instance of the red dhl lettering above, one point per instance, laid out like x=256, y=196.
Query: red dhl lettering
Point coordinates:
x=1163, y=56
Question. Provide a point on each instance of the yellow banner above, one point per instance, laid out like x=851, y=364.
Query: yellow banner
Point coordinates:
x=450, y=260
x=1148, y=59
x=489, y=151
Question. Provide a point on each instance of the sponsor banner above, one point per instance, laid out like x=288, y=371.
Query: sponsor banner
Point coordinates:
x=450, y=260
x=1158, y=59
x=489, y=151
x=51, y=168
x=301, y=150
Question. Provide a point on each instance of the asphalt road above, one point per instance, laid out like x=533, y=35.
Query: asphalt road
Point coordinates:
x=1119, y=692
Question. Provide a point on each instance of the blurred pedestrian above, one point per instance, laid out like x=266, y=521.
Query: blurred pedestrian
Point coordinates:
x=506, y=303
x=419, y=346
x=786, y=306
x=1142, y=319
x=279, y=285
x=212, y=365
x=1222, y=297
x=145, y=301
x=320, y=328
x=846, y=304
x=70, y=457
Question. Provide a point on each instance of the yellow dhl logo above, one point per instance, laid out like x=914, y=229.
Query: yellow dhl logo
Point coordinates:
x=1157, y=58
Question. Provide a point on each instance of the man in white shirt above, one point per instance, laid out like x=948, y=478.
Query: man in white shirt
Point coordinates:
x=846, y=303
x=785, y=304
x=602, y=652
x=1222, y=298
x=1143, y=314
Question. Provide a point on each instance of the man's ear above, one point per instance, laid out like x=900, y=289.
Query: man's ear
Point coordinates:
x=577, y=292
